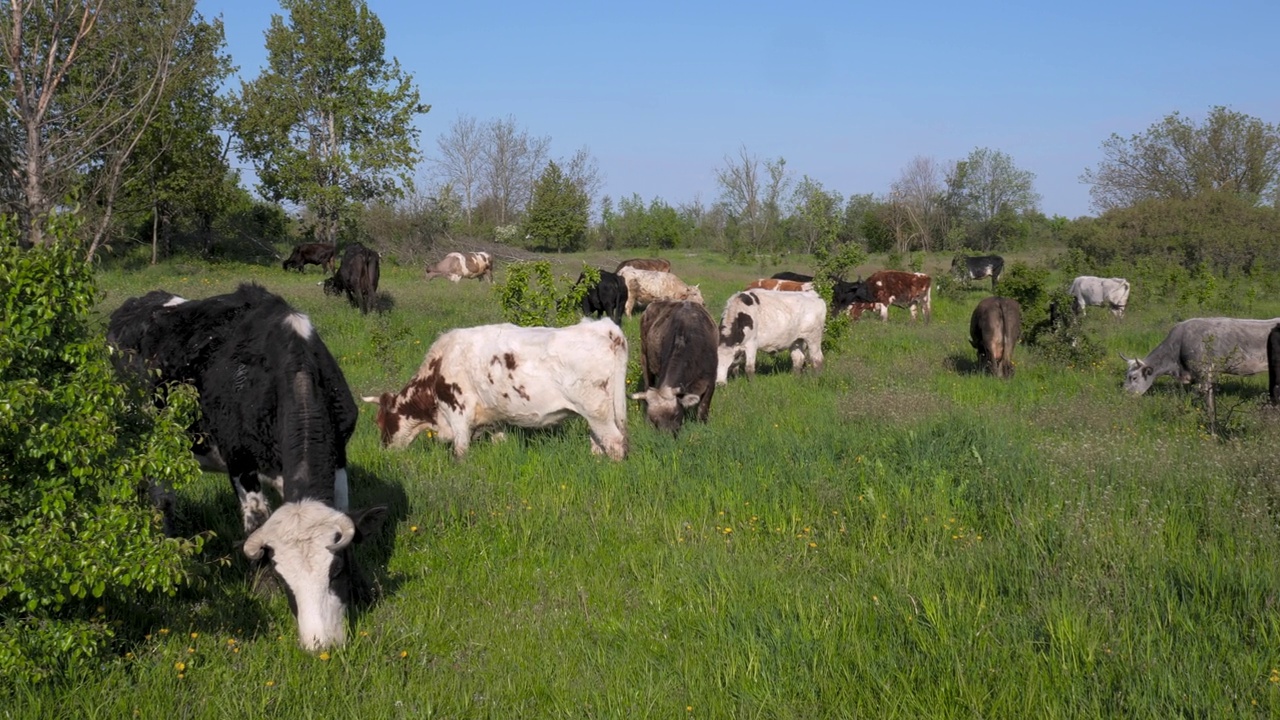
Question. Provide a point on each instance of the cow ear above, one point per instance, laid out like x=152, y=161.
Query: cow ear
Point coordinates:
x=1147, y=371
x=368, y=521
x=690, y=400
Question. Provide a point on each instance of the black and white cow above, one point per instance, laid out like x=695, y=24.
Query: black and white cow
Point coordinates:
x=276, y=406
x=1273, y=364
x=606, y=297
x=843, y=293
x=1239, y=347
x=357, y=277
x=770, y=320
x=975, y=268
x=678, y=345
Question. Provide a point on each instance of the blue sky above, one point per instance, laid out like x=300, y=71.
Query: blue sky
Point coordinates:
x=846, y=92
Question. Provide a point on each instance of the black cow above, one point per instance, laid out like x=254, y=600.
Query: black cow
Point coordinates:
x=357, y=277
x=276, y=406
x=606, y=297
x=678, y=346
x=1273, y=364
x=843, y=292
x=975, y=268
x=321, y=254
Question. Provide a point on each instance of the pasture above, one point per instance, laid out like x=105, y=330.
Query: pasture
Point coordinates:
x=898, y=536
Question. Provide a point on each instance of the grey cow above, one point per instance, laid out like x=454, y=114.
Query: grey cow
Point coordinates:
x=1101, y=292
x=975, y=268
x=1240, y=345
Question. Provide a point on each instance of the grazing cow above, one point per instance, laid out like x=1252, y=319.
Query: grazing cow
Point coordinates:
x=794, y=276
x=525, y=376
x=770, y=320
x=646, y=286
x=975, y=268
x=1090, y=290
x=777, y=284
x=994, y=330
x=654, y=264
x=357, y=277
x=277, y=407
x=677, y=362
x=321, y=254
x=843, y=293
x=1240, y=346
x=857, y=308
x=606, y=297
x=897, y=287
x=458, y=265
x=1273, y=364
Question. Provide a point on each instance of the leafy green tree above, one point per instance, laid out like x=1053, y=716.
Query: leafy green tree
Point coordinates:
x=557, y=216
x=1178, y=159
x=80, y=447
x=815, y=219
x=986, y=194
x=530, y=295
x=330, y=121
x=754, y=199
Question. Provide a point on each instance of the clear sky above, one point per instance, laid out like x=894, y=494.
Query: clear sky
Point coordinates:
x=846, y=92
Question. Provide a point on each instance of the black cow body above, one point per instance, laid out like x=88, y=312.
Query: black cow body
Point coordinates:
x=275, y=405
x=1273, y=364
x=976, y=268
x=678, y=346
x=357, y=277
x=843, y=292
x=606, y=297
x=321, y=254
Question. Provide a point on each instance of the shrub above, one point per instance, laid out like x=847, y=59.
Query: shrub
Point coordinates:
x=529, y=296
x=77, y=532
x=1026, y=285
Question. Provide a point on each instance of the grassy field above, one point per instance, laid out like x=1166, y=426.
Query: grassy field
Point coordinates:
x=895, y=537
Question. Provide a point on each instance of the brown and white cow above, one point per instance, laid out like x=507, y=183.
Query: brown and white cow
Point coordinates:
x=778, y=284
x=897, y=287
x=770, y=320
x=857, y=308
x=646, y=286
x=994, y=329
x=458, y=265
x=654, y=264
x=677, y=362
x=507, y=374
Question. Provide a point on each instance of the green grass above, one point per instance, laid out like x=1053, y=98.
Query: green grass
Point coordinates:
x=895, y=537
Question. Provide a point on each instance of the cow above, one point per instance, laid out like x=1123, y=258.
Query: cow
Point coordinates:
x=897, y=287
x=975, y=268
x=607, y=297
x=795, y=276
x=459, y=266
x=994, y=329
x=777, y=284
x=276, y=406
x=1273, y=364
x=321, y=254
x=654, y=264
x=646, y=286
x=770, y=320
x=1103, y=292
x=524, y=376
x=357, y=277
x=855, y=310
x=1238, y=346
x=678, y=346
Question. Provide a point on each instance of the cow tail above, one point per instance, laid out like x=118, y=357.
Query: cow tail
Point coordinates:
x=928, y=302
x=1007, y=343
x=619, y=381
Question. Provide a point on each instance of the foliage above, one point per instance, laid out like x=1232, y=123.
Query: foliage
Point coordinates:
x=557, y=215
x=80, y=448
x=530, y=295
x=1178, y=159
x=1026, y=284
x=657, y=226
x=816, y=218
x=987, y=195
x=329, y=122
x=831, y=265
x=754, y=202
x=1061, y=336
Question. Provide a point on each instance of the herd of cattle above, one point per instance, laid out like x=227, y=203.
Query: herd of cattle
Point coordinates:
x=277, y=410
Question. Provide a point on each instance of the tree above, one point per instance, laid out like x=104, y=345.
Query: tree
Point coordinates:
x=461, y=155
x=557, y=217
x=512, y=160
x=816, y=216
x=918, y=197
x=752, y=199
x=330, y=121
x=84, y=81
x=1178, y=159
x=984, y=191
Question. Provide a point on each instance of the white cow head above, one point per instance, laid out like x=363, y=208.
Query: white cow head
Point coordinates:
x=1139, y=376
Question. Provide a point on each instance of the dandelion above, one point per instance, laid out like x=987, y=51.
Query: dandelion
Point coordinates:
x=413, y=528
x=404, y=654
x=324, y=657
x=180, y=666
x=688, y=708
x=813, y=544
x=164, y=631
x=195, y=635
x=271, y=683
x=191, y=651
x=364, y=633
x=728, y=530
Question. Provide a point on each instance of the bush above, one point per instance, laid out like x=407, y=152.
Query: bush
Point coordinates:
x=529, y=296
x=78, y=534
x=1026, y=285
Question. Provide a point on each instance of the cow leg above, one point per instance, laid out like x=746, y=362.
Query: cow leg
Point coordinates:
x=815, y=355
x=750, y=365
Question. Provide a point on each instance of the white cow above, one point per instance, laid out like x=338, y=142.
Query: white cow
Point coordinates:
x=646, y=286
x=1239, y=345
x=525, y=376
x=457, y=266
x=1090, y=290
x=771, y=320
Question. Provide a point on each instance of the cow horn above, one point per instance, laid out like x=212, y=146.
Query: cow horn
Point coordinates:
x=254, y=544
x=346, y=533
x=371, y=399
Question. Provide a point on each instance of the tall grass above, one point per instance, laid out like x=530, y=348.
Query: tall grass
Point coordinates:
x=898, y=536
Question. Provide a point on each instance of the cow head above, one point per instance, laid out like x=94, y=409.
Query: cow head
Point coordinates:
x=1139, y=376
x=694, y=294
x=665, y=406
x=308, y=544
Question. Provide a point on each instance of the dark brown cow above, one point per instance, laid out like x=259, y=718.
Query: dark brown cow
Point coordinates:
x=678, y=345
x=994, y=330
x=776, y=284
x=321, y=254
x=457, y=266
x=897, y=287
x=655, y=264
x=357, y=277
x=1273, y=364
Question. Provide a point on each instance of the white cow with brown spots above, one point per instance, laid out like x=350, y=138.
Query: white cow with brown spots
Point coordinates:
x=458, y=265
